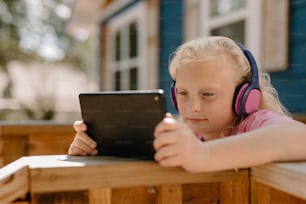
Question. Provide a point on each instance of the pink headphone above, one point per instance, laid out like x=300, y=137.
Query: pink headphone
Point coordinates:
x=247, y=95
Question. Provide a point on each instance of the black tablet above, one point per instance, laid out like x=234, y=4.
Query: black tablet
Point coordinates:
x=123, y=122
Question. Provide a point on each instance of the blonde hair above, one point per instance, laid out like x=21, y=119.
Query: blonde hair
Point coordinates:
x=222, y=47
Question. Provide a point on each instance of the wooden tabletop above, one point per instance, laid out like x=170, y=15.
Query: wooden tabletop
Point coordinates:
x=287, y=177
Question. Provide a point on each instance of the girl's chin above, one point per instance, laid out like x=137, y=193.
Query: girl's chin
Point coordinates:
x=208, y=133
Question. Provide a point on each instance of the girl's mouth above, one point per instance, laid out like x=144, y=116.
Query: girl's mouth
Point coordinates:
x=196, y=120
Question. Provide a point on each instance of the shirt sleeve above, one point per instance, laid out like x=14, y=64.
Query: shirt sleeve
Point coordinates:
x=262, y=118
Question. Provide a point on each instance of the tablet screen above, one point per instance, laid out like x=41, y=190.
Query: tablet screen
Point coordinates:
x=123, y=122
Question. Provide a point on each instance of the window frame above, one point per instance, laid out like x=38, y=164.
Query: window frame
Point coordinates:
x=120, y=23
x=251, y=14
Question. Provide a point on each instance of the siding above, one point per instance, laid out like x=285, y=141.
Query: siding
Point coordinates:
x=291, y=84
x=171, y=31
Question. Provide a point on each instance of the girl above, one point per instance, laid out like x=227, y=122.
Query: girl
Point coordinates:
x=219, y=93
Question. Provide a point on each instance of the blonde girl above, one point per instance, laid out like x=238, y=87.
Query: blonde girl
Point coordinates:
x=230, y=115
x=210, y=75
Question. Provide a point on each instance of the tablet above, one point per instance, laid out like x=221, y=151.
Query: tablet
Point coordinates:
x=123, y=122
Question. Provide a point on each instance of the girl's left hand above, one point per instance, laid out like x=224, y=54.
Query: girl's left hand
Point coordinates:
x=177, y=145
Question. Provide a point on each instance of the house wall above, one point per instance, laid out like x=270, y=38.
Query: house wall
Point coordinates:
x=171, y=36
x=291, y=84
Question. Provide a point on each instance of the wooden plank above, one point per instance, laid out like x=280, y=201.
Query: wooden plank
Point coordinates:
x=263, y=194
x=34, y=138
x=300, y=117
x=234, y=191
x=49, y=173
x=201, y=193
x=170, y=194
x=48, y=144
x=75, y=197
x=100, y=195
x=14, y=183
x=36, y=128
x=13, y=148
x=287, y=177
x=2, y=163
x=132, y=195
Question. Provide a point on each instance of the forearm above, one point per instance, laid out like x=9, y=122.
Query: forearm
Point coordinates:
x=267, y=144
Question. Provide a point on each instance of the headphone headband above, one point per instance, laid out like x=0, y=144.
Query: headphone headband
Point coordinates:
x=253, y=64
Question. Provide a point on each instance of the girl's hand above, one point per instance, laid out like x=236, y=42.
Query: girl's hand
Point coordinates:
x=176, y=145
x=82, y=143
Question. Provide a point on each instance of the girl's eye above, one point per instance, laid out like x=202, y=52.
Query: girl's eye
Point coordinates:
x=181, y=93
x=207, y=94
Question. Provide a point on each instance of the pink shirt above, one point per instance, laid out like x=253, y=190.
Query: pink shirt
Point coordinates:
x=261, y=118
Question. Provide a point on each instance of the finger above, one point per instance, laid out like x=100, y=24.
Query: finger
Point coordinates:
x=167, y=138
x=74, y=150
x=86, y=139
x=78, y=148
x=165, y=152
x=80, y=145
x=79, y=126
x=168, y=115
x=170, y=162
x=167, y=124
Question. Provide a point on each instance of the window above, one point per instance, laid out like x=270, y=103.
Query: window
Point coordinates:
x=237, y=19
x=261, y=25
x=126, y=50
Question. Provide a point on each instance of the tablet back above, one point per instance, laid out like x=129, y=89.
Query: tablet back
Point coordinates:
x=122, y=122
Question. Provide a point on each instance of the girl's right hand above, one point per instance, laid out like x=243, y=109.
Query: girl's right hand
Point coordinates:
x=82, y=144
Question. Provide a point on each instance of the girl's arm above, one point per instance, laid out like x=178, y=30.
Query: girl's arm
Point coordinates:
x=278, y=142
x=176, y=145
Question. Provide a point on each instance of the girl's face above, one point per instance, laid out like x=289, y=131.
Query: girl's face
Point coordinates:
x=205, y=95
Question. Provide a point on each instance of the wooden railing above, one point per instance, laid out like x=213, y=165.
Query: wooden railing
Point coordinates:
x=104, y=179
x=33, y=138
x=53, y=177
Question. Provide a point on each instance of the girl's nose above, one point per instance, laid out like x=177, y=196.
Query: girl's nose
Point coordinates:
x=195, y=104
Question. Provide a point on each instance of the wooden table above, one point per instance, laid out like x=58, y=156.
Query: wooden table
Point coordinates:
x=40, y=175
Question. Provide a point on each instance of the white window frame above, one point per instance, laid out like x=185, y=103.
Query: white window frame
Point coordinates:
x=136, y=13
x=252, y=16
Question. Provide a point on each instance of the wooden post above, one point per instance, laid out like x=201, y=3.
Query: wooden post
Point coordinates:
x=14, y=184
x=100, y=196
x=234, y=191
x=170, y=194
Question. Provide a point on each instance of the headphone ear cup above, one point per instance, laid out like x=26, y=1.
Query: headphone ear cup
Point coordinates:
x=238, y=98
x=252, y=101
x=173, y=95
x=247, y=100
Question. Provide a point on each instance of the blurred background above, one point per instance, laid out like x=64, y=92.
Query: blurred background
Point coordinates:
x=51, y=50
x=43, y=64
